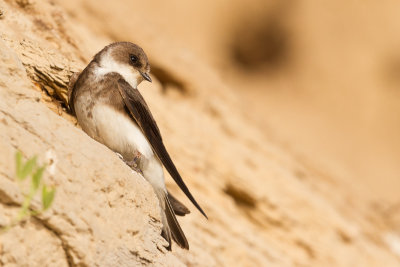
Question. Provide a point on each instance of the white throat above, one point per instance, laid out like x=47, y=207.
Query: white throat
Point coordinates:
x=108, y=64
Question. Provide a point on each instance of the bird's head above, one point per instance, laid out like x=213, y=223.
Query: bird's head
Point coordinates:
x=127, y=59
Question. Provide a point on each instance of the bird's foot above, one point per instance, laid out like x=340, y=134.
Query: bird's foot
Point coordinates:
x=134, y=163
x=120, y=156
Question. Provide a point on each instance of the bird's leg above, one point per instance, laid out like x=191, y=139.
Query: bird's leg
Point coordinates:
x=134, y=163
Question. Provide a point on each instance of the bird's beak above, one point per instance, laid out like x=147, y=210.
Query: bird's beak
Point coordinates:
x=146, y=76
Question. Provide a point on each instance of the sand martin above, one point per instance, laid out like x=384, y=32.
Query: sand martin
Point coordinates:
x=110, y=109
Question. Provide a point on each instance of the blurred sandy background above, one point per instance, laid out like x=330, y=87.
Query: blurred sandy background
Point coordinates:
x=321, y=77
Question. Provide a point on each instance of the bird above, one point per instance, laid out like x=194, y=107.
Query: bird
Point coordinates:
x=110, y=109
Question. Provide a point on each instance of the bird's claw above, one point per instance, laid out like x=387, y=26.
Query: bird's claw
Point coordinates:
x=134, y=163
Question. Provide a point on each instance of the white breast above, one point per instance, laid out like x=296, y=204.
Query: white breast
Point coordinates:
x=119, y=132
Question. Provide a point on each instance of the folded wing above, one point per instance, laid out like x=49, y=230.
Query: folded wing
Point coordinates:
x=140, y=112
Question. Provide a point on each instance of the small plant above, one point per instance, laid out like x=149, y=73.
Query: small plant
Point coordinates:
x=23, y=171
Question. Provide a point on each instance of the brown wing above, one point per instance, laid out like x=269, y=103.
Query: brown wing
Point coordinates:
x=141, y=114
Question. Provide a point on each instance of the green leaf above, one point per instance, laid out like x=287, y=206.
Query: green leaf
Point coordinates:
x=47, y=197
x=37, y=177
x=28, y=168
x=18, y=164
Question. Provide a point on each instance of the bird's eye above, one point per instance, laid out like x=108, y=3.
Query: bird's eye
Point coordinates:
x=134, y=58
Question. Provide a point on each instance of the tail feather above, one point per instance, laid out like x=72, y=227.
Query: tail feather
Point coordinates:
x=174, y=227
x=171, y=228
x=177, y=206
x=166, y=234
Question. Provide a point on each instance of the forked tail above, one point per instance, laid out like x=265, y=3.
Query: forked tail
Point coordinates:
x=171, y=227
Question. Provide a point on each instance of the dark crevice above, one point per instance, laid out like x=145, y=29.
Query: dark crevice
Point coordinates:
x=167, y=79
x=263, y=41
x=64, y=244
x=241, y=197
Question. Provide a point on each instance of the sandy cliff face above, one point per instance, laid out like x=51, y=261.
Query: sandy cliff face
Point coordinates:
x=266, y=206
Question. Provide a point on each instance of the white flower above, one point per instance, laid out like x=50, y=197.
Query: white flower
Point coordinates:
x=51, y=162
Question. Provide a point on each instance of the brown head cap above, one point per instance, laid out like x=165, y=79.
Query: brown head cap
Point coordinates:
x=127, y=53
